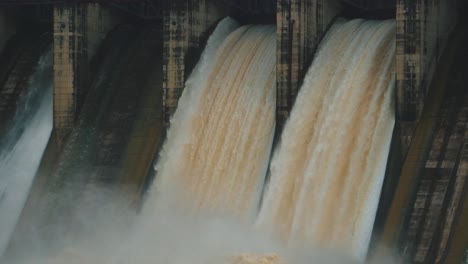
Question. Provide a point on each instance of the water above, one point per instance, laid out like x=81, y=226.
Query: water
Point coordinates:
x=217, y=150
x=327, y=172
x=23, y=146
x=92, y=161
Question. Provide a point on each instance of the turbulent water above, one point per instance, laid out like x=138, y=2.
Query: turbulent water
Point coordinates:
x=218, y=146
x=23, y=146
x=325, y=176
x=327, y=173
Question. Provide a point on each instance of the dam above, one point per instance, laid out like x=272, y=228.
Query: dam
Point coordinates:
x=233, y=131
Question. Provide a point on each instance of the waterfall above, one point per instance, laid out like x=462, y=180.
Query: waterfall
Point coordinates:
x=325, y=175
x=218, y=146
x=327, y=172
x=23, y=145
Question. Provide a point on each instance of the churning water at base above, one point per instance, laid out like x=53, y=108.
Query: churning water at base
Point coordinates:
x=327, y=173
x=218, y=146
x=23, y=145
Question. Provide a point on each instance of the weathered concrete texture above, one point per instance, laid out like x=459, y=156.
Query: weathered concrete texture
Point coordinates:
x=78, y=30
x=187, y=24
x=429, y=197
x=441, y=189
x=454, y=241
x=300, y=27
x=423, y=27
x=70, y=55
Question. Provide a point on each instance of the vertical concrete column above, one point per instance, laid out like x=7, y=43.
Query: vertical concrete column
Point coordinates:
x=78, y=31
x=70, y=61
x=423, y=27
x=186, y=26
x=300, y=27
x=426, y=198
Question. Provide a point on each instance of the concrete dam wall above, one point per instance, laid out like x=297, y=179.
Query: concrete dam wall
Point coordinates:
x=120, y=68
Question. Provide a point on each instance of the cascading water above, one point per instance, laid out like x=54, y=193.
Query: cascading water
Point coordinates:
x=23, y=145
x=327, y=173
x=325, y=176
x=92, y=163
x=218, y=147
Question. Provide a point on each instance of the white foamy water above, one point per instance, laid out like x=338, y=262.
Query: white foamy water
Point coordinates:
x=218, y=146
x=22, y=149
x=327, y=172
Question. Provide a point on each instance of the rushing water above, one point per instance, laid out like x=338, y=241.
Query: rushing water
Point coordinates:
x=327, y=172
x=218, y=146
x=328, y=169
x=22, y=147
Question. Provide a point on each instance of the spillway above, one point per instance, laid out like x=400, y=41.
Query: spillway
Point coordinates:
x=327, y=172
x=23, y=145
x=105, y=155
x=150, y=158
x=218, y=146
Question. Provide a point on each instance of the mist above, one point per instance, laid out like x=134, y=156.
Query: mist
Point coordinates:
x=106, y=229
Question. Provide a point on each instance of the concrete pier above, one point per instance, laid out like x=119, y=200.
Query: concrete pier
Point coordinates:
x=186, y=27
x=423, y=203
x=78, y=30
x=428, y=202
x=300, y=27
x=423, y=28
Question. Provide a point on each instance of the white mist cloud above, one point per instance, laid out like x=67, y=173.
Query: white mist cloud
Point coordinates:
x=106, y=231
